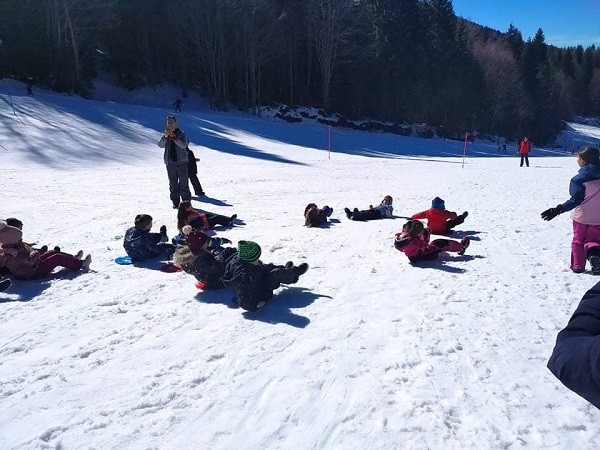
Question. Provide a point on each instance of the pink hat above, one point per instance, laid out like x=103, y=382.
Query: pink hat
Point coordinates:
x=9, y=235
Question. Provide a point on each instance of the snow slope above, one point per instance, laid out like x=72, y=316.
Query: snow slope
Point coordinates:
x=366, y=351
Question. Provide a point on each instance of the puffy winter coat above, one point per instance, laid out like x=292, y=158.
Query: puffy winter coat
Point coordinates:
x=20, y=260
x=195, y=219
x=416, y=248
x=575, y=360
x=436, y=219
x=524, y=147
x=141, y=244
x=192, y=165
x=251, y=283
x=385, y=210
x=179, y=145
x=207, y=266
x=585, y=199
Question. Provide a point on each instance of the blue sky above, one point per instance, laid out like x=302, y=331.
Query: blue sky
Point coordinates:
x=565, y=23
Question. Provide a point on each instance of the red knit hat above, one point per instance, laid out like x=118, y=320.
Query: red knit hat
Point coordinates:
x=194, y=238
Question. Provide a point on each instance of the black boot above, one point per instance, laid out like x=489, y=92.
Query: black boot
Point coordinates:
x=348, y=213
x=595, y=263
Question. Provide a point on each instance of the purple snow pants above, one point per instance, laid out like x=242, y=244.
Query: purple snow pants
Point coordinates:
x=585, y=237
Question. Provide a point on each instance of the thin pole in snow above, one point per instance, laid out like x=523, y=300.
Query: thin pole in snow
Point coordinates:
x=465, y=149
x=329, y=141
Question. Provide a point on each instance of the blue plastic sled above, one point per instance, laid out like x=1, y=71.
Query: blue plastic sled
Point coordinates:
x=124, y=260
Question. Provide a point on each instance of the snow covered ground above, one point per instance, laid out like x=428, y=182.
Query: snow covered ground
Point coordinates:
x=366, y=351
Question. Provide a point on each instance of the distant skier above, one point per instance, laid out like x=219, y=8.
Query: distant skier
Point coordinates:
x=29, y=85
x=413, y=241
x=584, y=205
x=178, y=104
x=575, y=360
x=524, y=149
x=254, y=282
x=440, y=220
x=381, y=211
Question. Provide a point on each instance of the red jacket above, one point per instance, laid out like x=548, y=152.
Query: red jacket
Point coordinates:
x=436, y=219
x=191, y=215
x=524, y=147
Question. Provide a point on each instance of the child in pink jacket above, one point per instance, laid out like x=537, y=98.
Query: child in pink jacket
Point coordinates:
x=413, y=241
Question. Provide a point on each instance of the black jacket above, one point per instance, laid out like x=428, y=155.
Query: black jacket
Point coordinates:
x=209, y=266
x=192, y=166
x=575, y=360
x=251, y=283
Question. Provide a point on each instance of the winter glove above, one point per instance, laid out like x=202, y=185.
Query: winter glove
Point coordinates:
x=551, y=213
x=163, y=234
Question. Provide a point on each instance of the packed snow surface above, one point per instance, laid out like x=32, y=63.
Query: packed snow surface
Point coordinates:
x=365, y=351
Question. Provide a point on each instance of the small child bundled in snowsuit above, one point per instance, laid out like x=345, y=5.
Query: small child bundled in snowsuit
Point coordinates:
x=24, y=263
x=254, y=282
x=140, y=244
x=413, y=241
x=440, y=220
x=315, y=216
x=381, y=211
x=193, y=172
x=203, y=257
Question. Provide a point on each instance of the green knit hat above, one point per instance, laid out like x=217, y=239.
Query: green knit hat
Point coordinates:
x=248, y=251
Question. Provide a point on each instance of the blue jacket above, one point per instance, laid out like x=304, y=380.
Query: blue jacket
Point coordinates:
x=589, y=172
x=575, y=360
x=141, y=244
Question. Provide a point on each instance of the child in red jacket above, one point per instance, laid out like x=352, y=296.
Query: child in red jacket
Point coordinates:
x=439, y=220
x=413, y=241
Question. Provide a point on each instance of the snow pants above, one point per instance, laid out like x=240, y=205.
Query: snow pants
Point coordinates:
x=367, y=214
x=51, y=260
x=586, y=240
x=436, y=247
x=178, y=182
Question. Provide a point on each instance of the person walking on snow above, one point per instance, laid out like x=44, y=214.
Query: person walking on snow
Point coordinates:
x=524, y=149
x=177, y=104
x=584, y=205
x=439, y=220
x=175, y=143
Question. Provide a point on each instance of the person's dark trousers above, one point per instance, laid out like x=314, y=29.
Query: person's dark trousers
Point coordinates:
x=367, y=214
x=526, y=158
x=196, y=184
x=178, y=182
x=281, y=275
x=217, y=219
x=451, y=223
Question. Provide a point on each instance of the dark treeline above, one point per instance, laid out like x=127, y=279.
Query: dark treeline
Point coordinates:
x=398, y=60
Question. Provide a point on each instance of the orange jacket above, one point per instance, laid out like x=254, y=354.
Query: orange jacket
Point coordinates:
x=436, y=219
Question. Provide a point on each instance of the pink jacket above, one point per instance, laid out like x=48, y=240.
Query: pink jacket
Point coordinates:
x=588, y=212
x=415, y=247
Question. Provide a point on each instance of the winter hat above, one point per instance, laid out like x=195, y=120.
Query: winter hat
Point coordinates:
x=9, y=235
x=327, y=210
x=248, y=251
x=438, y=203
x=194, y=238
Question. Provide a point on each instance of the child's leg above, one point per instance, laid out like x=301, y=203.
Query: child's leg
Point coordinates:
x=368, y=214
x=451, y=223
x=50, y=260
x=577, y=248
x=447, y=245
x=217, y=219
x=196, y=184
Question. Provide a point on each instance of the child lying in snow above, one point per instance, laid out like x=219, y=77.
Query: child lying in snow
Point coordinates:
x=440, y=220
x=381, y=211
x=413, y=241
x=315, y=216
x=140, y=244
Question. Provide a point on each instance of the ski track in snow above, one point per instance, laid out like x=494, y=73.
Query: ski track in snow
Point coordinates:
x=366, y=351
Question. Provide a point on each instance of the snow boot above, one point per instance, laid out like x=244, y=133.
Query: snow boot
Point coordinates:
x=79, y=254
x=57, y=249
x=86, y=262
x=348, y=213
x=289, y=264
x=595, y=263
x=232, y=219
x=464, y=243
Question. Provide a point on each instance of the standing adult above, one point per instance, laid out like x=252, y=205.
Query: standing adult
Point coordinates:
x=524, y=148
x=175, y=143
x=584, y=205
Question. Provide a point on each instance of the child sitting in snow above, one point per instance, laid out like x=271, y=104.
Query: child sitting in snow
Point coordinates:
x=25, y=263
x=140, y=244
x=315, y=216
x=413, y=241
x=203, y=257
x=439, y=220
x=381, y=211
x=253, y=281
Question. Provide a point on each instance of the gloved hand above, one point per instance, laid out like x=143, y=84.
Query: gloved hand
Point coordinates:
x=225, y=241
x=163, y=229
x=551, y=213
